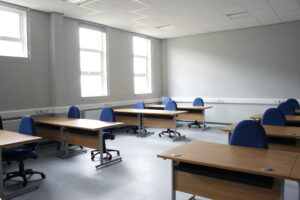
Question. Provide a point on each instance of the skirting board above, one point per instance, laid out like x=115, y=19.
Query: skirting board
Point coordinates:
x=231, y=100
x=14, y=114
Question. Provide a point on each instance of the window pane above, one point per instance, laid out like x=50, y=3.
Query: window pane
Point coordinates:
x=140, y=85
x=9, y=24
x=90, y=85
x=140, y=65
x=90, y=39
x=8, y=48
x=90, y=61
x=140, y=46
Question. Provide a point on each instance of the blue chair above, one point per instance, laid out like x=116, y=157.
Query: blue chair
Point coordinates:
x=171, y=105
x=273, y=116
x=27, y=127
x=294, y=103
x=73, y=112
x=140, y=105
x=249, y=133
x=197, y=102
x=107, y=115
x=286, y=108
x=165, y=100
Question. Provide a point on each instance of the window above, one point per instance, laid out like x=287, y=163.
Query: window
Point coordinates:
x=13, y=32
x=142, y=65
x=92, y=62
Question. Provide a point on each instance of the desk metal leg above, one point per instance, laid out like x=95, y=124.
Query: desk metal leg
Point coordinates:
x=104, y=163
x=140, y=125
x=173, y=190
x=282, y=189
x=177, y=137
x=65, y=153
x=299, y=189
x=204, y=123
x=142, y=131
x=1, y=175
x=229, y=136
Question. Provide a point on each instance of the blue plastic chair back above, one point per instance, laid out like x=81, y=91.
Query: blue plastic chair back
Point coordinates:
x=286, y=108
x=107, y=115
x=198, y=102
x=74, y=112
x=249, y=133
x=294, y=103
x=27, y=125
x=171, y=105
x=273, y=116
x=140, y=105
x=165, y=100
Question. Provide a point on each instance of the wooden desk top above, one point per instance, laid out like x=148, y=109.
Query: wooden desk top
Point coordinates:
x=179, y=107
x=237, y=158
x=274, y=131
x=297, y=111
x=295, y=174
x=149, y=111
x=9, y=138
x=289, y=118
x=86, y=124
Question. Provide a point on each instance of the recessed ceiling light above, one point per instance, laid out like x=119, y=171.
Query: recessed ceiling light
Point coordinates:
x=78, y=2
x=165, y=27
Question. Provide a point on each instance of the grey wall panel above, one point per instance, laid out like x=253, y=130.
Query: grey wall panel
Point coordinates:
x=25, y=82
x=51, y=76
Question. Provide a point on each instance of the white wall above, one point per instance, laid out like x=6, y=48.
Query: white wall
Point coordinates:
x=254, y=63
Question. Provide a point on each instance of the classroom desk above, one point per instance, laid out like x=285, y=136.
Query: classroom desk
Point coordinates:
x=284, y=132
x=235, y=159
x=64, y=130
x=194, y=113
x=149, y=117
x=289, y=118
x=12, y=139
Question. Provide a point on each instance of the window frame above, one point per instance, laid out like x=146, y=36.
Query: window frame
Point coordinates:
x=104, y=61
x=24, y=30
x=148, y=58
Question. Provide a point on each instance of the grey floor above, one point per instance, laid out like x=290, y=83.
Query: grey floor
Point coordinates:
x=140, y=176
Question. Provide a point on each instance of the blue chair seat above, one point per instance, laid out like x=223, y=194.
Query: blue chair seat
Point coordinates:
x=19, y=154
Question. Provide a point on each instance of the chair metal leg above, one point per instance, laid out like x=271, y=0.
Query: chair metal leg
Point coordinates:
x=195, y=123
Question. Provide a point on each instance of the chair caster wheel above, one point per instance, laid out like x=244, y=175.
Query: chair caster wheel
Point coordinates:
x=159, y=135
x=43, y=176
x=189, y=126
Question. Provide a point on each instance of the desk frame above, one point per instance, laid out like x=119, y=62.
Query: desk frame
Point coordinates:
x=194, y=113
x=65, y=149
x=144, y=120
